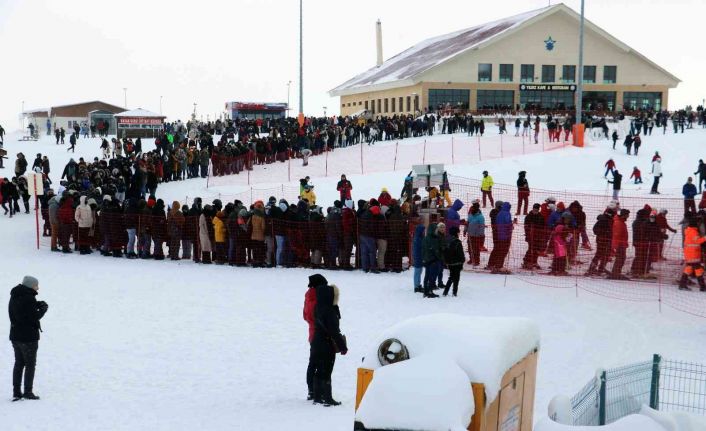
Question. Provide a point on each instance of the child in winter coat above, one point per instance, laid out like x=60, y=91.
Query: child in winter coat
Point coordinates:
x=454, y=258
x=560, y=239
x=637, y=175
x=220, y=234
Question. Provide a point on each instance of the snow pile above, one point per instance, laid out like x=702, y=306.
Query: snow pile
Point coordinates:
x=484, y=347
x=425, y=393
x=628, y=423
x=676, y=421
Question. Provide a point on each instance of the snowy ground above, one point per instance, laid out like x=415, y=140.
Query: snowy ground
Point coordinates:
x=162, y=345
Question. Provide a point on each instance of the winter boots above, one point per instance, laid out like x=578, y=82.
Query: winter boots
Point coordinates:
x=322, y=393
x=685, y=278
x=206, y=258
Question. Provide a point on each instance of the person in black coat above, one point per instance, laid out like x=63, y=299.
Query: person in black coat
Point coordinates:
x=327, y=340
x=25, y=312
x=454, y=259
x=534, y=236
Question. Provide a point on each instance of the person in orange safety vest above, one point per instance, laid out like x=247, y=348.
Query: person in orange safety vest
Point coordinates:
x=692, y=255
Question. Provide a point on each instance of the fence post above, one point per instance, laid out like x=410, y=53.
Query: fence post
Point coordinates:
x=654, y=387
x=397, y=145
x=452, y=151
x=601, y=399
x=424, y=153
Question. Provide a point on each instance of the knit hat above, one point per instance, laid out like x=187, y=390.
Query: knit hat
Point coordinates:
x=536, y=206
x=440, y=226
x=107, y=198
x=317, y=280
x=30, y=282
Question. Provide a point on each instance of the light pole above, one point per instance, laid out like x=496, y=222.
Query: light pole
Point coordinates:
x=301, y=57
x=324, y=112
x=125, y=97
x=579, y=87
x=160, y=105
x=289, y=85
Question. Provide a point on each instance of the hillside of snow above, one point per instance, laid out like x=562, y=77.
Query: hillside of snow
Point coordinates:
x=178, y=346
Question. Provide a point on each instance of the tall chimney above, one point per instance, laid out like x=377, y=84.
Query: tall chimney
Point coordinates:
x=378, y=40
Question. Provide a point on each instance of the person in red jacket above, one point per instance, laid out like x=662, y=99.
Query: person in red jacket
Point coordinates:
x=65, y=214
x=384, y=199
x=344, y=187
x=609, y=167
x=619, y=244
x=664, y=226
x=637, y=175
x=309, y=306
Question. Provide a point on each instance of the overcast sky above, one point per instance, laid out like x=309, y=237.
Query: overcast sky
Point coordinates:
x=208, y=52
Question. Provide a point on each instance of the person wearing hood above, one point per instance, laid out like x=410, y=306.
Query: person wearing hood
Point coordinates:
x=327, y=339
x=501, y=247
x=453, y=218
x=453, y=259
x=84, y=217
x=534, y=236
x=560, y=238
x=219, y=235
x=308, y=314
x=523, y=193
x=603, y=229
x=417, y=260
x=693, y=263
x=344, y=188
x=54, y=221
x=278, y=214
x=66, y=214
x=175, y=223
x=384, y=199
x=25, y=313
x=432, y=255
x=159, y=229
x=617, y=182
x=619, y=244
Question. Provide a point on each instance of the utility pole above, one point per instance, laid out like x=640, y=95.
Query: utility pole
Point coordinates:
x=301, y=57
x=579, y=87
x=125, y=96
x=289, y=85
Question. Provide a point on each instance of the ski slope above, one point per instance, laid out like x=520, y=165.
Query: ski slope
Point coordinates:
x=177, y=346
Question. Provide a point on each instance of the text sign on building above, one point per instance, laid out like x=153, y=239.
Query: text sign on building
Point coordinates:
x=547, y=87
x=139, y=123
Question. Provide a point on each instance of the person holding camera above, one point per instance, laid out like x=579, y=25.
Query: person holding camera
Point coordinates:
x=25, y=312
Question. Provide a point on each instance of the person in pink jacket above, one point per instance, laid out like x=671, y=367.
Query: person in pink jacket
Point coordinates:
x=560, y=243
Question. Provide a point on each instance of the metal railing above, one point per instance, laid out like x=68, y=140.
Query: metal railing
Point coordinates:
x=662, y=384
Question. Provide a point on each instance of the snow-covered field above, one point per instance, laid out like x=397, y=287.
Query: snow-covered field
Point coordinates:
x=131, y=345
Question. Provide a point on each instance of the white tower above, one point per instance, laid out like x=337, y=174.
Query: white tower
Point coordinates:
x=378, y=40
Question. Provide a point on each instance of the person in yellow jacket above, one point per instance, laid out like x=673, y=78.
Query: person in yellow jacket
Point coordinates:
x=692, y=255
x=486, y=187
x=309, y=195
x=220, y=234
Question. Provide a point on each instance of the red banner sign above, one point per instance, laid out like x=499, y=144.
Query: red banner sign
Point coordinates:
x=138, y=121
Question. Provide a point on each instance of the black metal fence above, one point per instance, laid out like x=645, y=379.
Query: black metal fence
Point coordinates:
x=661, y=384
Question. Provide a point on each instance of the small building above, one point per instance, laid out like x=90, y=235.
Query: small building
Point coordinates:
x=526, y=61
x=67, y=116
x=38, y=117
x=254, y=111
x=139, y=123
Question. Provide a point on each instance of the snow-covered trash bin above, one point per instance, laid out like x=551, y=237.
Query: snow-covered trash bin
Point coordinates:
x=450, y=372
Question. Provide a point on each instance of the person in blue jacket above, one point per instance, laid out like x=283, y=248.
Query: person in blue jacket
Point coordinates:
x=475, y=230
x=417, y=259
x=689, y=191
x=453, y=218
x=503, y=222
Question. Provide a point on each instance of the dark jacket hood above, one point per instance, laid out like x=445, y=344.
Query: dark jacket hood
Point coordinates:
x=457, y=205
x=22, y=290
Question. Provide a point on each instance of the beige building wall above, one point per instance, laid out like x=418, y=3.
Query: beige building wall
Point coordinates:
x=527, y=46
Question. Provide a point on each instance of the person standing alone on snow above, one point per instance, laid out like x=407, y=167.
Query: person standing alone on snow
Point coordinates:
x=701, y=171
x=657, y=173
x=25, y=312
x=617, y=182
x=689, y=192
x=609, y=167
x=309, y=306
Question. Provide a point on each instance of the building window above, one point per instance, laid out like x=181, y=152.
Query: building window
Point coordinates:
x=642, y=100
x=568, y=74
x=589, y=74
x=409, y=103
x=386, y=106
x=448, y=99
x=379, y=106
x=506, y=72
x=527, y=73
x=416, y=102
x=485, y=72
x=366, y=105
x=495, y=99
x=610, y=74
x=401, y=104
x=393, y=105
x=549, y=99
x=548, y=73
x=599, y=100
